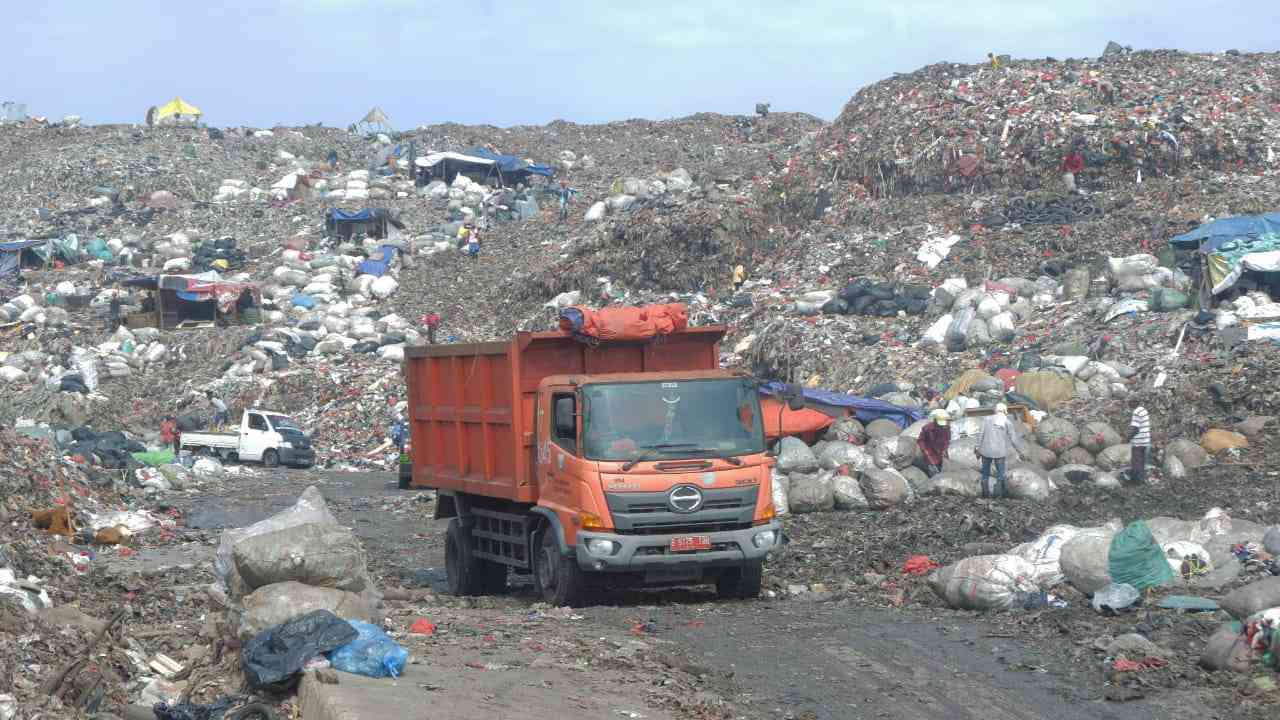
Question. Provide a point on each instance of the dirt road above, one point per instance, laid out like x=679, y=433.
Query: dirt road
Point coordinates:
x=764, y=659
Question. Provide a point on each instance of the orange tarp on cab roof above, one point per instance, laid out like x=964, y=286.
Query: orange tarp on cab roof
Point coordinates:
x=801, y=423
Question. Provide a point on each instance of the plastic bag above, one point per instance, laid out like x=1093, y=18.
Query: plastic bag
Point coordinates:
x=984, y=582
x=1253, y=598
x=318, y=554
x=1115, y=597
x=779, y=485
x=811, y=493
x=884, y=488
x=1136, y=558
x=310, y=508
x=372, y=654
x=278, y=653
x=1084, y=559
x=848, y=493
x=958, y=331
x=795, y=456
x=1045, y=553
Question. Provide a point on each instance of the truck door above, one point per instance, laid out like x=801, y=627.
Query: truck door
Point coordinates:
x=558, y=450
x=255, y=437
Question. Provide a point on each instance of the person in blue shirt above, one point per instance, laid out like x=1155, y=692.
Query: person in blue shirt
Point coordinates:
x=565, y=194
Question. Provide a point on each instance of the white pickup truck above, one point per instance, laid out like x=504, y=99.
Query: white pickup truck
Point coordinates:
x=264, y=436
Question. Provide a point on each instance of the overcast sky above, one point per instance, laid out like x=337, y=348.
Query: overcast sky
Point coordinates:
x=267, y=62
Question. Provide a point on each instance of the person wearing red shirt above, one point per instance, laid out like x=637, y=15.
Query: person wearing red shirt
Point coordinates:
x=431, y=321
x=1072, y=164
x=934, y=441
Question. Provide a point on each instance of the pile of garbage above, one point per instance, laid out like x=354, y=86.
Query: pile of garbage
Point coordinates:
x=299, y=596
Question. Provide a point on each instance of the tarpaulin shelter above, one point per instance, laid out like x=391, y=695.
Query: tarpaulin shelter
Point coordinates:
x=378, y=263
x=200, y=298
x=511, y=168
x=176, y=108
x=448, y=165
x=376, y=119
x=19, y=254
x=1232, y=246
x=372, y=222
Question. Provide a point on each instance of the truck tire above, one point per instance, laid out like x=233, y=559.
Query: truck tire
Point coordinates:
x=741, y=583
x=467, y=574
x=270, y=458
x=558, y=578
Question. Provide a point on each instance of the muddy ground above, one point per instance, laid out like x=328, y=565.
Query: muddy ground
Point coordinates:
x=841, y=632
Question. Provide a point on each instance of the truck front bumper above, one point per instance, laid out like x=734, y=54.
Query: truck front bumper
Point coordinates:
x=299, y=457
x=640, y=553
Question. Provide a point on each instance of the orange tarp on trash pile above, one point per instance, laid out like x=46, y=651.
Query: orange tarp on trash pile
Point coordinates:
x=628, y=323
x=795, y=423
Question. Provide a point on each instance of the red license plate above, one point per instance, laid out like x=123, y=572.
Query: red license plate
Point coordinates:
x=690, y=543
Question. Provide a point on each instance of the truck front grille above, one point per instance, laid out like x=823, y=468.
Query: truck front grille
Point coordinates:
x=648, y=513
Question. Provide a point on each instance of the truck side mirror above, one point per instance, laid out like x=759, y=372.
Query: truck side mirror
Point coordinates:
x=565, y=425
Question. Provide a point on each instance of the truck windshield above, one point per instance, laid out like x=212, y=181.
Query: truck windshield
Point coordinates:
x=685, y=419
x=280, y=422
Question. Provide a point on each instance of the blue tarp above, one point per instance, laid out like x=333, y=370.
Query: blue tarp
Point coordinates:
x=11, y=255
x=377, y=265
x=865, y=409
x=512, y=164
x=336, y=215
x=1209, y=236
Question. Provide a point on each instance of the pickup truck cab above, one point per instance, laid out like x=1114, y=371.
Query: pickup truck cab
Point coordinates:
x=264, y=436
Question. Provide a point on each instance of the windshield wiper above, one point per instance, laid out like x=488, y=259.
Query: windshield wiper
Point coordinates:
x=684, y=447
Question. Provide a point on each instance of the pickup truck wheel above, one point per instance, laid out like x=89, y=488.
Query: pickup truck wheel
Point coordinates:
x=559, y=579
x=466, y=573
x=741, y=583
x=270, y=458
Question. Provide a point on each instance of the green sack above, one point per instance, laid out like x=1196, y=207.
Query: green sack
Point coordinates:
x=155, y=458
x=1136, y=558
x=1163, y=299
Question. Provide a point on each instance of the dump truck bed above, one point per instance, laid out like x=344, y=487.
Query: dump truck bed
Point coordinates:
x=471, y=405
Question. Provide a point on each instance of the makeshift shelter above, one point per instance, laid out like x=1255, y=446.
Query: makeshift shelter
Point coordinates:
x=193, y=298
x=376, y=120
x=1234, y=247
x=177, y=109
x=372, y=222
x=511, y=169
x=19, y=254
x=447, y=166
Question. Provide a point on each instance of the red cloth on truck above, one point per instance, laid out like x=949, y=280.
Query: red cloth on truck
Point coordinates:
x=631, y=323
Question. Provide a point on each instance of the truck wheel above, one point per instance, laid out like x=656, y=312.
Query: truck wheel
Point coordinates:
x=270, y=458
x=464, y=571
x=741, y=583
x=558, y=578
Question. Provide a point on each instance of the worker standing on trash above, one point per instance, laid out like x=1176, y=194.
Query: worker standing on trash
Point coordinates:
x=169, y=434
x=934, y=440
x=473, y=243
x=996, y=441
x=739, y=277
x=565, y=195
x=1139, y=442
x=431, y=321
x=113, y=319
x=1072, y=165
x=220, y=415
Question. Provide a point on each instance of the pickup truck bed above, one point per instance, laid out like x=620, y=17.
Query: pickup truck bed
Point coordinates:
x=225, y=441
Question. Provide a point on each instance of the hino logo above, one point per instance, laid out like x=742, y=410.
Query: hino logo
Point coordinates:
x=684, y=498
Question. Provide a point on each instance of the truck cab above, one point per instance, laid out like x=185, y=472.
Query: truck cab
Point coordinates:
x=656, y=478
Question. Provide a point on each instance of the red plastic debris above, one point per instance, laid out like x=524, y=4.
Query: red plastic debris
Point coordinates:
x=1147, y=663
x=919, y=565
x=422, y=626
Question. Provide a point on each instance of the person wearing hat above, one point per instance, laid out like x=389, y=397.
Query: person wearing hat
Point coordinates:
x=934, y=440
x=996, y=441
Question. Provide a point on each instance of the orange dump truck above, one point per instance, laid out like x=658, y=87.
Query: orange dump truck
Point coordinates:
x=607, y=463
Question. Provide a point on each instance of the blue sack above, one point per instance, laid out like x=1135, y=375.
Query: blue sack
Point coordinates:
x=373, y=653
x=303, y=301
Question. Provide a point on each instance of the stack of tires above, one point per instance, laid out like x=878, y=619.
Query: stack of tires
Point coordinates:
x=879, y=299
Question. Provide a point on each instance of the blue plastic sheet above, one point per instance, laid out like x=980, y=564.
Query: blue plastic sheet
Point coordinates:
x=865, y=409
x=373, y=653
x=303, y=301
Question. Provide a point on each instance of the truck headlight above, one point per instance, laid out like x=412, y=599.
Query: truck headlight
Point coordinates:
x=601, y=547
x=764, y=538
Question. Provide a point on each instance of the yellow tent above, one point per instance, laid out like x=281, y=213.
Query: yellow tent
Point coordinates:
x=176, y=106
